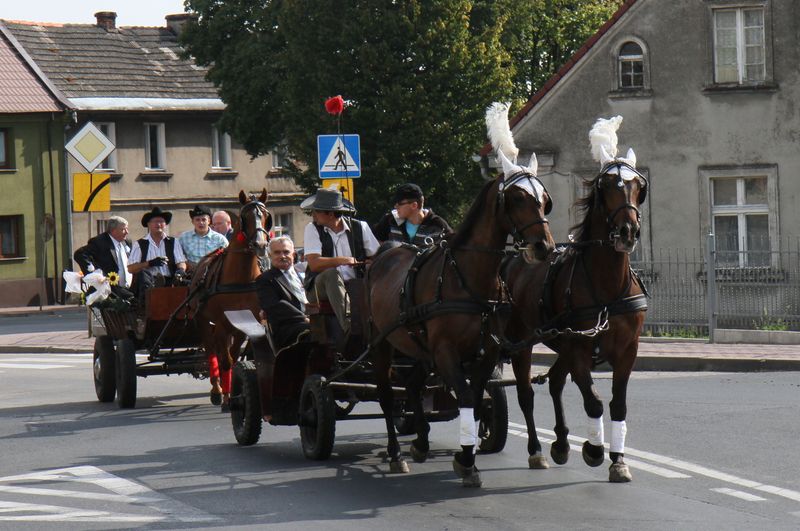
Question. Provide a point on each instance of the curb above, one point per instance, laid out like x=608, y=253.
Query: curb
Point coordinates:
x=699, y=364
x=47, y=310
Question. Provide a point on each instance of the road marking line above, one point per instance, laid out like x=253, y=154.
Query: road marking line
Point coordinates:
x=66, y=514
x=659, y=471
x=32, y=366
x=739, y=494
x=690, y=467
x=47, y=359
x=35, y=491
x=131, y=491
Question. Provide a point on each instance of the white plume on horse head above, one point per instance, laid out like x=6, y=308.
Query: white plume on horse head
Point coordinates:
x=603, y=138
x=500, y=133
x=503, y=142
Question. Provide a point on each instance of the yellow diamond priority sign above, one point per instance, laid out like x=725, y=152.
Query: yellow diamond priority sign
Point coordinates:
x=89, y=146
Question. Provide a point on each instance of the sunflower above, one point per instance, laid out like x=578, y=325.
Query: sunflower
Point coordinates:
x=113, y=278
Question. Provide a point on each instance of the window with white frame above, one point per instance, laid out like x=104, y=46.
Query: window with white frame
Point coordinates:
x=739, y=45
x=155, y=148
x=110, y=131
x=740, y=220
x=279, y=156
x=220, y=149
x=631, y=66
x=6, y=158
x=283, y=225
x=10, y=236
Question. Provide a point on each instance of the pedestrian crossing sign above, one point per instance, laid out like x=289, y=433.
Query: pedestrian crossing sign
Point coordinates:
x=339, y=156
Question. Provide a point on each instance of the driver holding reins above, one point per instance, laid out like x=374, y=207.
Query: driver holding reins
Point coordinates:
x=335, y=244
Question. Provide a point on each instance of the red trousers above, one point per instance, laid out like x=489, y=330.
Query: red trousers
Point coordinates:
x=214, y=372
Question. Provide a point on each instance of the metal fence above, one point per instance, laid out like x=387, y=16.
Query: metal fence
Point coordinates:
x=758, y=289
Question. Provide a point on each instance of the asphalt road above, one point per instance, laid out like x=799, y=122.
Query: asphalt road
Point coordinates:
x=707, y=451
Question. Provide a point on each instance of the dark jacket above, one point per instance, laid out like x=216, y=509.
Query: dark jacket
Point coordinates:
x=432, y=227
x=282, y=308
x=100, y=252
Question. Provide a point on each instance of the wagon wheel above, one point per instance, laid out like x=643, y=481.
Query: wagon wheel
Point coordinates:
x=245, y=403
x=317, y=418
x=126, y=373
x=493, y=427
x=103, y=363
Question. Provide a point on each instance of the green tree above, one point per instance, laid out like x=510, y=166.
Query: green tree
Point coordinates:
x=418, y=75
x=543, y=34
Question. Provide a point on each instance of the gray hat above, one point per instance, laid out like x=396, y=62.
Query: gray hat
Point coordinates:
x=328, y=200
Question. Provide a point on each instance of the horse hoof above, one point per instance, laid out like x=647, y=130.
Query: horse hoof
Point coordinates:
x=419, y=456
x=398, y=467
x=560, y=454
x=538, y=462
x=592, y=455
x=473, y=479
x=619, y=473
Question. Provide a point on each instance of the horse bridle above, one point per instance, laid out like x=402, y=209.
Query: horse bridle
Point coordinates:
x=517, y=232
x=643, y=185
x=261, y=209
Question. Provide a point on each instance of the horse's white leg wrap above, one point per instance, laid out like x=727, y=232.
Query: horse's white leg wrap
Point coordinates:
x=618, y=431
x=469, y=431
x=596, y=436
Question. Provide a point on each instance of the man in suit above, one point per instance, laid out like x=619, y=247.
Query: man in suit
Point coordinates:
x=281, y=294
x=221, y=222
x=108, y=251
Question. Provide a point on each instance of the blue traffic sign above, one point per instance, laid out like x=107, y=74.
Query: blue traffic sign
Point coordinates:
x=339, y=156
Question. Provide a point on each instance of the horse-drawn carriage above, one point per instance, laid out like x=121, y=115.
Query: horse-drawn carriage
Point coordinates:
x=162, y=329
x=316, y=381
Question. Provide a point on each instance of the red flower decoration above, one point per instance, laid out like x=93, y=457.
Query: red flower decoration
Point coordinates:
x=334, y=105
x=240, y=237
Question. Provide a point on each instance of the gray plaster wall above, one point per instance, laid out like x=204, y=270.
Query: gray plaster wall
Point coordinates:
x=682, y=124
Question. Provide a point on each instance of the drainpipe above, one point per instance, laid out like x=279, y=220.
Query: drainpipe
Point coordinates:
x=56, y=284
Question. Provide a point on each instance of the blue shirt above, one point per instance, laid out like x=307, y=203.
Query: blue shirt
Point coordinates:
x=196, y=246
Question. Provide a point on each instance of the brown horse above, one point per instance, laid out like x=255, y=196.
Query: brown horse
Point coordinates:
x=452, y=306
x=565, y=303
x=224, y=280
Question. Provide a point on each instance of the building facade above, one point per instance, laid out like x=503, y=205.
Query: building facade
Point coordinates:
x=160, y=112
x=34, y=218
x=708, y=90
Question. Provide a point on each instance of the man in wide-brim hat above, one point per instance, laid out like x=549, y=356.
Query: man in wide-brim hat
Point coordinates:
x=156, y=254
x=334, y=245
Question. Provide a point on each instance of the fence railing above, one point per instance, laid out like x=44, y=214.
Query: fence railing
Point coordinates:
x=757, y=297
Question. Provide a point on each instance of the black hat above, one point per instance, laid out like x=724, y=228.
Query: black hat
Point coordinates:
x=407, y=191
x=156, y=213
x=200, y=210
x=328, y=200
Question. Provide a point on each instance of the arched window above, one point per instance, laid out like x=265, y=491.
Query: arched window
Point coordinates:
x=631, y=66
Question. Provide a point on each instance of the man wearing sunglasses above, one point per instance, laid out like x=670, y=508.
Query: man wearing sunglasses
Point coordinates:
x=409, y=221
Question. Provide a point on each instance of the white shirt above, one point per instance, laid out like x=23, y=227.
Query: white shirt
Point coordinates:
x=341, y=247
x=154, y=250
x=121, y=250
x=297, y=286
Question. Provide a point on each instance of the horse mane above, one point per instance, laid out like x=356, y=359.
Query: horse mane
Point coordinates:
x=582, y=230
x=470, y=220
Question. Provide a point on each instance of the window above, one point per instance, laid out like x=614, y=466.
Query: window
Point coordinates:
x=10, y=236
x=220, y=149
x=154, y=146
x=6, y=157
x=740, y=212
x=110, y=162
x=283, y=225
x=739, y=46
x=631, y=66
x=279, y=156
